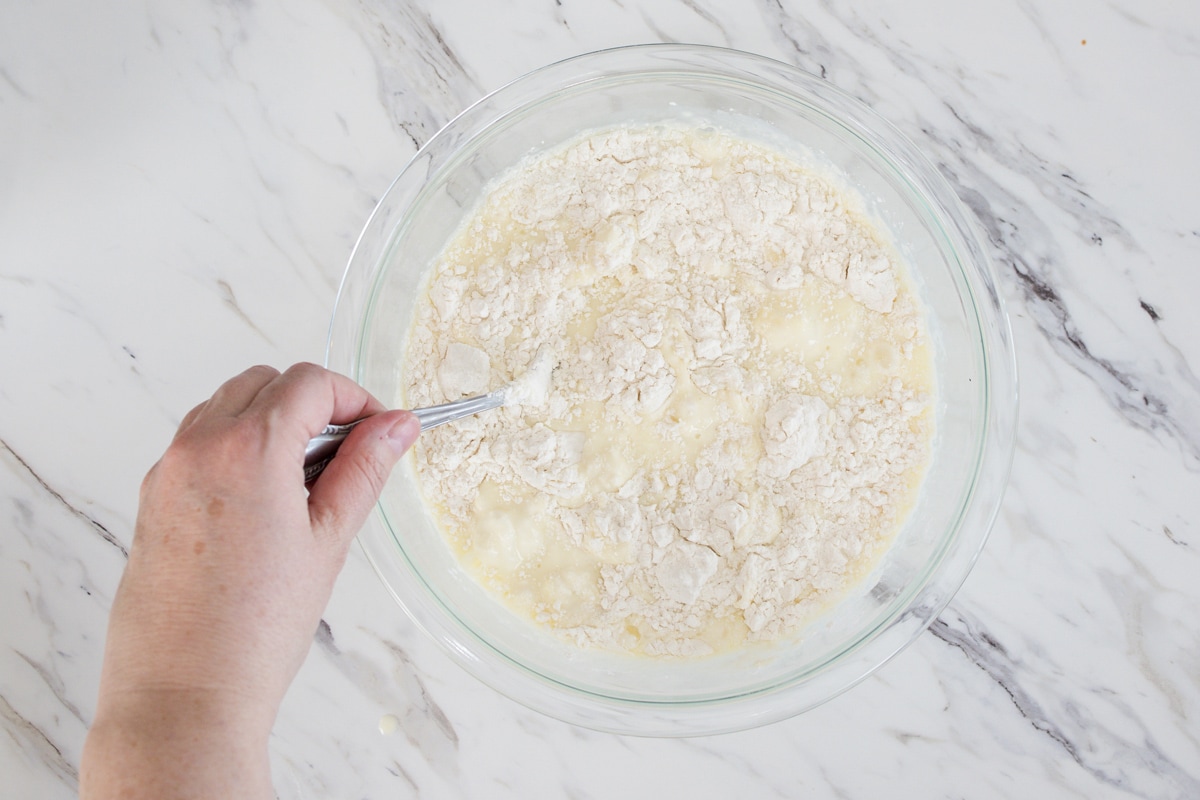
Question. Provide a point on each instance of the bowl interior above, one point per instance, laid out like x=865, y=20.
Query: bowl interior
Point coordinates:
x=777, y=106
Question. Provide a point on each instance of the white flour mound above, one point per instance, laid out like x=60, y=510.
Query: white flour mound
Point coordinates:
x=738, y=417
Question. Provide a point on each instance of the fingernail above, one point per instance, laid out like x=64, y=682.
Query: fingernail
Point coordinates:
x=403, y=433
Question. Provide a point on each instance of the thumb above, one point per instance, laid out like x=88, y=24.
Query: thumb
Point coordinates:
x=341, y=498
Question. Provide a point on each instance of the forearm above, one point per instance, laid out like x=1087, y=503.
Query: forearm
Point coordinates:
x=173, y=746
x=232, y=562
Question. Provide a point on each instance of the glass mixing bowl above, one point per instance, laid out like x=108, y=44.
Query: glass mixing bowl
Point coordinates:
x=975, y=373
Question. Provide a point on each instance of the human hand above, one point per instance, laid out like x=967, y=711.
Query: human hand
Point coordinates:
x=231, y=566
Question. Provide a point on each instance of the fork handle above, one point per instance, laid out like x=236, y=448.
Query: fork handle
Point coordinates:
x=322, y=447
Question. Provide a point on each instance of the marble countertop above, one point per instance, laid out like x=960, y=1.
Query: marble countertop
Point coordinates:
x=180, y=188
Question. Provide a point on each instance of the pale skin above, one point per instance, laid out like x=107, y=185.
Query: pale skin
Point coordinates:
x=231, y=566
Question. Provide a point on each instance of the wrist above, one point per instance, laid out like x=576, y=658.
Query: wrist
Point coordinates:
x=174, y=744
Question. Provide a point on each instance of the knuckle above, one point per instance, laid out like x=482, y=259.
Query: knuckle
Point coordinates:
x=367, y=469
x=259, y=373
x=264, y=370
x=373, y=470
x=207, y=449
x=305, y=370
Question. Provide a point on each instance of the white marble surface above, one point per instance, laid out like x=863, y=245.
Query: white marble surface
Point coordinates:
x=180, y=187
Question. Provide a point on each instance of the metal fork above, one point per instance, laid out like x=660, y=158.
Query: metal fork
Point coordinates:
x=321, y=448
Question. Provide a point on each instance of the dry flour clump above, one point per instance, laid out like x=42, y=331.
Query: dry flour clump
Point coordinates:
x=738, y=416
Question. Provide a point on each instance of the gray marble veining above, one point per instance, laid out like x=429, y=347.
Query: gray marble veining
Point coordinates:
x=180, y=187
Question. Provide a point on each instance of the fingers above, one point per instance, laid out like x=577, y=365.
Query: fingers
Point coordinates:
x=232, y=397
x=190, y=418
x=311, y=397
x=235, y=395
x=343, y=496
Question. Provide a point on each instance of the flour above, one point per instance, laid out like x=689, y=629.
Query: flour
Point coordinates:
x=532, y=388
x=738, y=417
x=463, y=371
